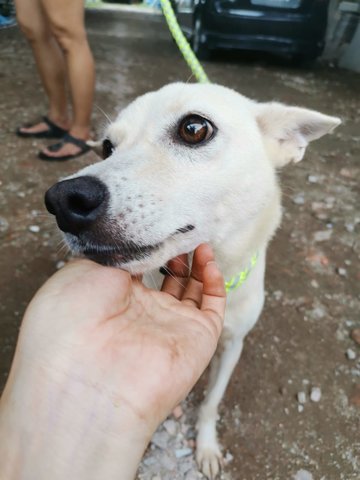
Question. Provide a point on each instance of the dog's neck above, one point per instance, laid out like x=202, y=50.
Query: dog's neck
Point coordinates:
x=234, y=252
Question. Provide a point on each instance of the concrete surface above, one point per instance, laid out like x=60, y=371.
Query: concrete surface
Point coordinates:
x=303, y=337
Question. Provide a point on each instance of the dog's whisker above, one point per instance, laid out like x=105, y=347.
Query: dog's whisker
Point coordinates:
x=63, y=250
x=183, y=263
x=102, y=111
x=189, y=78
x=175, y=278
x=152, y=280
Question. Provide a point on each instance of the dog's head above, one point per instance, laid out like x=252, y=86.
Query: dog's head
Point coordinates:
x=184, y=165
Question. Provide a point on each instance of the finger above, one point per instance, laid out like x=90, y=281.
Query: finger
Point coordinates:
x=202, y=255
x=214, y=295
x=177, y=273
x=193, y=291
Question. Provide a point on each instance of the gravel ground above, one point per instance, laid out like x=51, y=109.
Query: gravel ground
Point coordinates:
x=291, y=411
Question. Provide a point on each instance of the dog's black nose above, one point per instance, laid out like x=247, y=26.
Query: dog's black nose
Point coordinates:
x=77, y=203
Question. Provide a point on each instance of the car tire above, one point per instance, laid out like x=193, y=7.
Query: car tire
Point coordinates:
x=200, y=49
x=304, y=59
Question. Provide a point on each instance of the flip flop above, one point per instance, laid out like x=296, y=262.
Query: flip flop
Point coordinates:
x=54, y=131
x=67, y=138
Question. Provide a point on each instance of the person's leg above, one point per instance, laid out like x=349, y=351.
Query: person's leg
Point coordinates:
x=49, y=61
x=66, y=21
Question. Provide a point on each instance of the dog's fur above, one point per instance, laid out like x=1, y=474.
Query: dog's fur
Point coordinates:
x=225, y=187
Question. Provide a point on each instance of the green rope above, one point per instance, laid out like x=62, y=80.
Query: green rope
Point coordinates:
x=182, y=43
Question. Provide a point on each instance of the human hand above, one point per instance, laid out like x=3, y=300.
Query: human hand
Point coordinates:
x=107, y=356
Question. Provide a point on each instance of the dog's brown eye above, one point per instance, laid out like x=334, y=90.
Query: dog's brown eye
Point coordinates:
x=107, y=148
x=195, y=129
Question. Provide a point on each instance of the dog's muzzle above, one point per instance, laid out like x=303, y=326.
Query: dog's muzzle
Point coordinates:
x=77, y=203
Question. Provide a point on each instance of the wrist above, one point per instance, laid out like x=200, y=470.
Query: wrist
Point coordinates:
x=65, y=429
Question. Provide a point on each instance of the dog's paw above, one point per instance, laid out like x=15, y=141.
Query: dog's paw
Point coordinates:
x=210, y=461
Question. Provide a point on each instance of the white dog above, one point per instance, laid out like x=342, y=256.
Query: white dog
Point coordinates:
x=185, y=165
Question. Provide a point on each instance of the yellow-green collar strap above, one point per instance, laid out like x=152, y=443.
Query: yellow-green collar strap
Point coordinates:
x=237, y=280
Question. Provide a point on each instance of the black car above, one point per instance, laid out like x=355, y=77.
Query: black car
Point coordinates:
x=294, y=28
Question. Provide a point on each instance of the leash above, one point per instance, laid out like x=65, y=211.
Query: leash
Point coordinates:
x=182, y=43
x=199, y=73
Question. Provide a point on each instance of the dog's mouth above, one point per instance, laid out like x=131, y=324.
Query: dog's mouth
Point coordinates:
x=110, y=255
x=123, y=252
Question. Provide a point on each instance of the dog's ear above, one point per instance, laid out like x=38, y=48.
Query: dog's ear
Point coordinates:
x=288, y=130
x=96, y=146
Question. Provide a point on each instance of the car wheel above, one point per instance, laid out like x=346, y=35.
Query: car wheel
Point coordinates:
x=200, y=49
x=304, y=59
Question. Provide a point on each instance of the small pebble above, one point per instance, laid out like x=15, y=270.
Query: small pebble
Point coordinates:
x=341, y=271
x=322, y=235
x=228, y=457
x=278, y=294
x=160, y=439
x=330, y=201
x=351, y=355
x=355, y=335
x=34, y=228
x=346, y=173
x=315, y=394
x=183, y=452
x=314, y=284
x=178, y=412
x=313, y=179
x=60, y=264
x=170, y=426
x=318, y=313
x=299, y=199
x=303, y=475
x=300, y=408
x=318, y=258
x=317, y=206
x=355, y=396
x=301, y=397
x=4, y=225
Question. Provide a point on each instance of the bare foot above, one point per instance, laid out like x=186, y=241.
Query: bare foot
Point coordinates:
x=37, y=128
x=44, y=127
x=69, y=146
x=65, y=150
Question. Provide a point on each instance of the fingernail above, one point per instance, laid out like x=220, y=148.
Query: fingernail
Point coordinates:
x=212, y=262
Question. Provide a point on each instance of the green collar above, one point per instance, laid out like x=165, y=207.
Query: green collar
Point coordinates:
x=237, y=280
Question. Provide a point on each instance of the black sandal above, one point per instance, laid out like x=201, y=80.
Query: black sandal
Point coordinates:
x=84, y=147
x=54, y=131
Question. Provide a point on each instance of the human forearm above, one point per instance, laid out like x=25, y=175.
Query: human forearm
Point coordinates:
x=52, y=430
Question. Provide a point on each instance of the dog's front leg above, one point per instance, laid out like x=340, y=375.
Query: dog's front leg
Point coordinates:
x=208, y=453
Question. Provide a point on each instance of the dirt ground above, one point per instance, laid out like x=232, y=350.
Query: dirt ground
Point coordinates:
x=303, y=339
